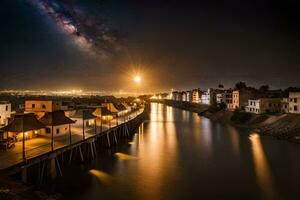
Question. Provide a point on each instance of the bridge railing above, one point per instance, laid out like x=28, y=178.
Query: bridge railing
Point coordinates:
x=42, y=145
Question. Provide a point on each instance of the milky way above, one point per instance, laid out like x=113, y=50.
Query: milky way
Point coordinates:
x=90, y=32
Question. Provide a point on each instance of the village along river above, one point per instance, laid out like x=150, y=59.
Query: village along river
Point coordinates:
x=179, y=155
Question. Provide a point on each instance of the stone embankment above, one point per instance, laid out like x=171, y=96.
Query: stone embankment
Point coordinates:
x=281, y=126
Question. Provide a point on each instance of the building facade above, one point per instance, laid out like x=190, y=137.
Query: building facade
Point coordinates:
x=285, y=105
x=208, y=97
x=294, y=102
x=196, y=96
x=240, y=98
x=189, y=96
x=264, y=105
x=5, y=113
x=40, y=107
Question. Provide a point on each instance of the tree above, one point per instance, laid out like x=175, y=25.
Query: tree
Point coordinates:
x=221, y=86
x=264, y=88
x=240, y=85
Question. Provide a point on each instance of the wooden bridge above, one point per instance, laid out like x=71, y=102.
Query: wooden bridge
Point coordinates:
x=45, y=167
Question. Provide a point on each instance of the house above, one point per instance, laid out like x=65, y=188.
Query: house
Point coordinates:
x=228, y=99
x=103, y=113
x=184, y=96
x=67, y=105
x=220, y=97
x=240, y=98
x=118, y=109
x=56, y=123
x=294, y=102
x=285, y=105
x=5, y=112
x=84, y=117
x=40, y=107
x=176, y=96
x=189, y=96
x=264, y=105
x=208, y=97
x=23, y=126
x=197, y=96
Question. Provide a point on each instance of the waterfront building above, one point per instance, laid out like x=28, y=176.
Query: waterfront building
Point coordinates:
x=22, y=126
x=174, y=95
x=220, y=98
x=57, y=123
x=228, y=99
x=197, y=96
x=184, y=96
x=5, y=112
x=189, y=96
x=240, y=98
x=264, y=105
x=294, y=102
x=208, y=97
x=285, y=105
x=40, y=107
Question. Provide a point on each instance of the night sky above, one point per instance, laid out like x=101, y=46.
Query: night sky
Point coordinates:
x=173, y=45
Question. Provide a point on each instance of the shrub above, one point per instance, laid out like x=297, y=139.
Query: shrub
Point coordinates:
x=240, y=117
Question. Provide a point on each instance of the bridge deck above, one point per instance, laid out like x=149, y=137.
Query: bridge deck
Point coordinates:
x=42, y=144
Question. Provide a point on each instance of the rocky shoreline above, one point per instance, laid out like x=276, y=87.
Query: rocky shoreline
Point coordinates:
x=12, y=189
x=280, y=125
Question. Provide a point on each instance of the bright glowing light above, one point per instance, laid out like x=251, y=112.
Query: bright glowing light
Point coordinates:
x=137, y=79
x=125, y=157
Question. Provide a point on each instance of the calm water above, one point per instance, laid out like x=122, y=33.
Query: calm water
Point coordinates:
x=178, y=155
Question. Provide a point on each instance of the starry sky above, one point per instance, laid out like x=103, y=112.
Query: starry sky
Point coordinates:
x=100, y=44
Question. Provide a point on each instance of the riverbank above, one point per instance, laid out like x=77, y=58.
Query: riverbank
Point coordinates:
x=193, y=107
x=11, y=189
x=281, y=126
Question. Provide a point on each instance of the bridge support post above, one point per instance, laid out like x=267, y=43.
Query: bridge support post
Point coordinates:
x=108, y=140
x=24, y=174
x=52, y=168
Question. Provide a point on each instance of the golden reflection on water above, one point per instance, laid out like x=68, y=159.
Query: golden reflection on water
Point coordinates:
x=125, y=157
x=262, y=169
x=101, y=176
x=158, y=155
x=235, y=140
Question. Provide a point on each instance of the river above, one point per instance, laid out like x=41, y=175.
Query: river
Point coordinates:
x=179, y=155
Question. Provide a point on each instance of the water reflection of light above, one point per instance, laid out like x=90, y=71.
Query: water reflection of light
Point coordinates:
x=125, y=157
x=170, y=115
x=235, y=140
x=262, y=170
x=158, y=153
x=206, y=135
x=101, y=176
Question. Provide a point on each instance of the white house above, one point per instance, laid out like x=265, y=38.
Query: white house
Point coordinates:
x=5, y=112
x=294, y=102
x=208, y=97
x=189, y=96
x=264, y=105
